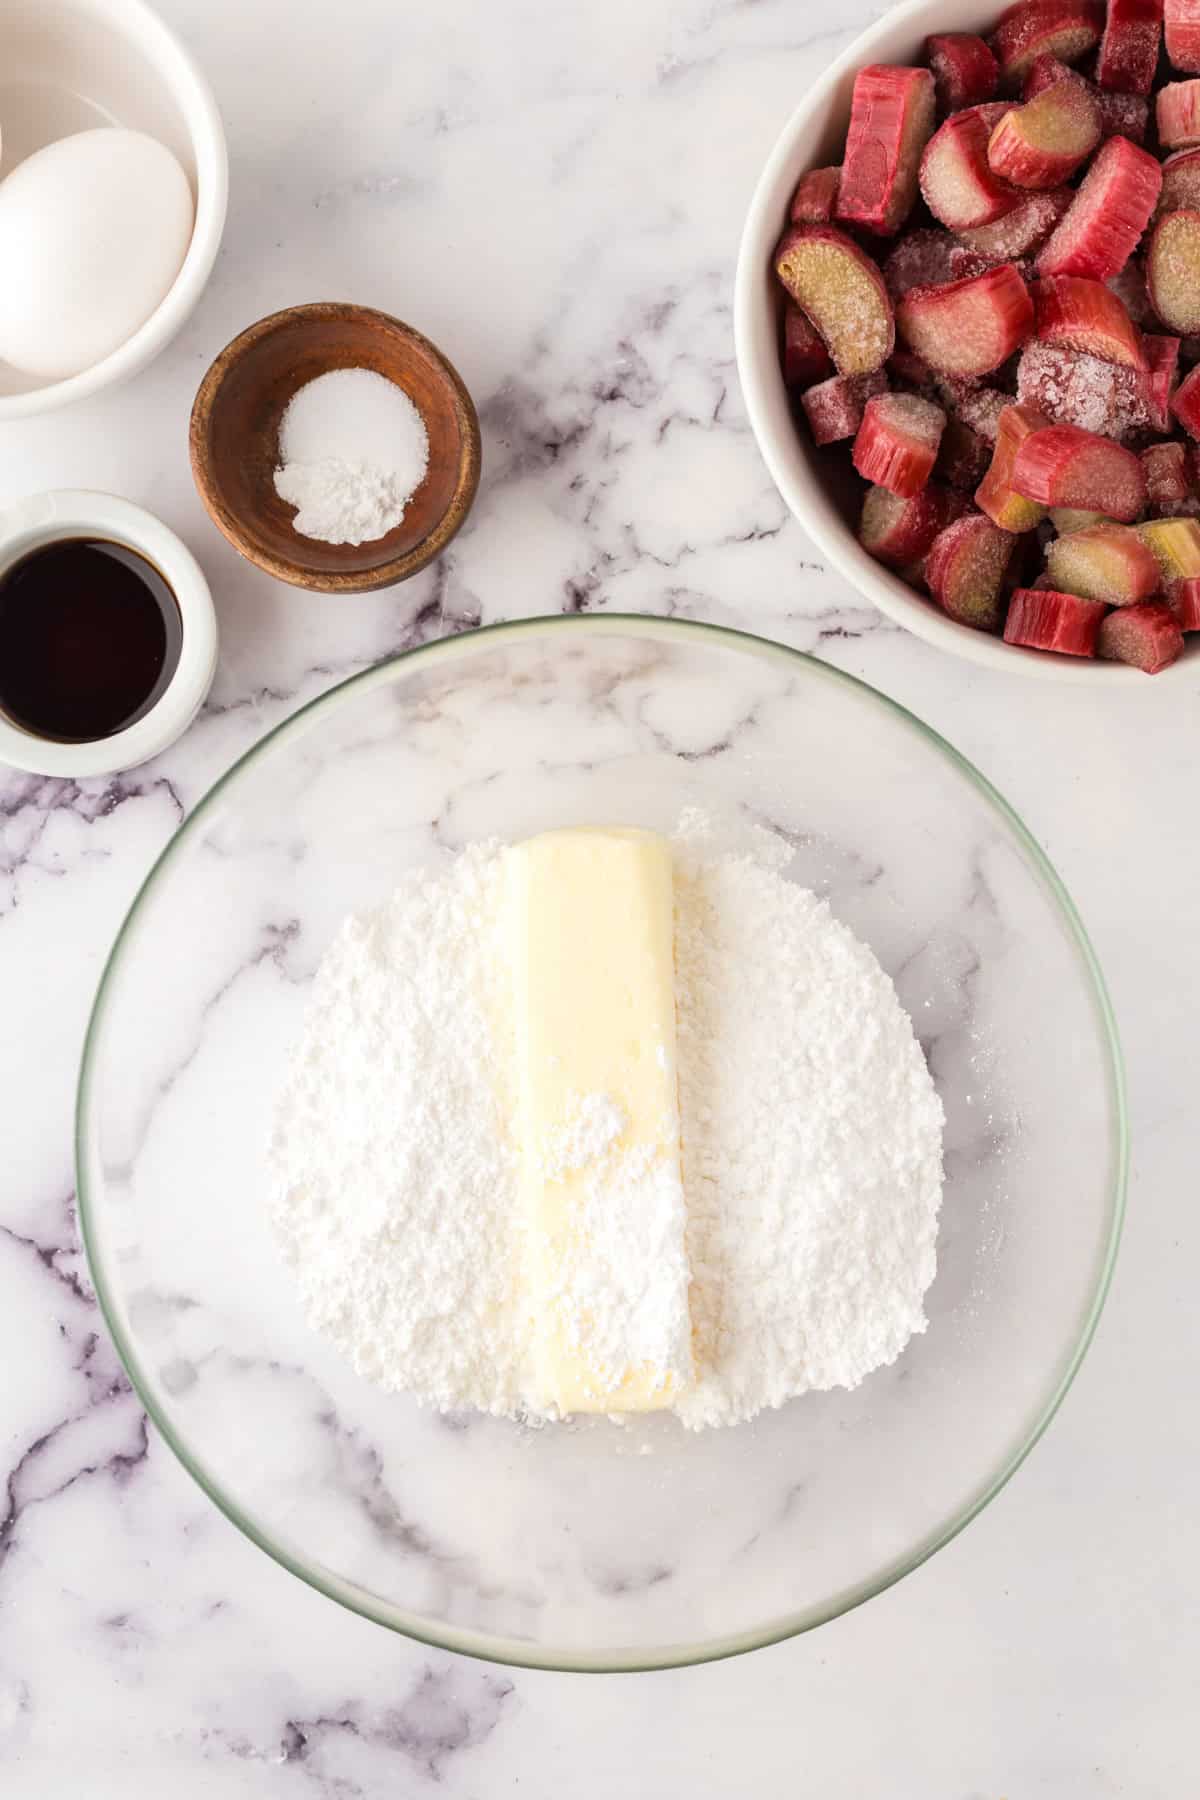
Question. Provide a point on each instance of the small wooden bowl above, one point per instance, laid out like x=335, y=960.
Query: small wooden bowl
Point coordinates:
x=233, y=441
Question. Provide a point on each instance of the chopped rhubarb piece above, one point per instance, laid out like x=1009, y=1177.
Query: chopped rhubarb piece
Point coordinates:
x=1042, y=73
x=805, y=358
x=1176, y=547
x=996, y=494
x=1147, y=636
x=815, y=197
x=1129, y=48
x=898, y=531
x=834, y=408
x=1173, y=270
x=1022, y=230
x=1181, y=182
x=1185, y=404
x=1064, y=466
x=897, y=442
x=957, y=185
x=1162, y=358
x=1044, y=619
x=1075, y=389
x=1182, y=21
x=965, y=264
x=965, y=571
x=981, y=408
x=1108, y=215
x=1067, y=29
x=968, y=327
x=907, y=370
x=963, y=457
x=842, y=291
x=1168, y=488
x=1183, y=598
x=1104, y=562
x=964, y=69
x=1177, y=111
x=1129, y=285
x=891, y=117
x=1078, y=314
x=1039, y=144
x=1066, y=519
x=1122, y=115
x=920, y=259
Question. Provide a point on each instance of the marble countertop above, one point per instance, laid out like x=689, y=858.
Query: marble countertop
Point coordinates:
x=555, y=194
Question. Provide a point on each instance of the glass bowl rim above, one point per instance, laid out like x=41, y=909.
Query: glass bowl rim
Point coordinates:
x=635, y=1659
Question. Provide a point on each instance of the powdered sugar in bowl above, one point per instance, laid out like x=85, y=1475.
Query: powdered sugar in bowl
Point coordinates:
x=595, y=1545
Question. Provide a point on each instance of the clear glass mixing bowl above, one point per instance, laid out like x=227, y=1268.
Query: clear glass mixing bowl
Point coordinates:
x=596, y=1546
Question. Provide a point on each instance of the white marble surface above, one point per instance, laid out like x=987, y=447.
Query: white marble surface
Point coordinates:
x=555, y=194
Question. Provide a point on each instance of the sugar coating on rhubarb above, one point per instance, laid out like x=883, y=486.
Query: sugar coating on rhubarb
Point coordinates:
x=1147, y=636
x=1034, y=28
x=968, y=327
x=1063, y=465
x=1175, y=545
x=1173, y=270
x=1040, y=144
x=964, y=69
x=965, y=570
x=1168, y=486
x=1022, y=230
x=1078, y=313
x=1180, y=182
x=957, y=184
x=834, y=408
x=1103, y=562
x=842, y=291
x=897, y=442
x=899, y=531
x=1128, y=54
x=1072, y=388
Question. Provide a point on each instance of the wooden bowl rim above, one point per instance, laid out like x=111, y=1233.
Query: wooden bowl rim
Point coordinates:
x=292, y=569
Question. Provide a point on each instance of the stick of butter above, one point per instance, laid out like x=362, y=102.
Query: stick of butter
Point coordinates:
x=592, y=921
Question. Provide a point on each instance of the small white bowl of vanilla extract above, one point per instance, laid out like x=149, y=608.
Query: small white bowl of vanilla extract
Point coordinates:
x=108, y=639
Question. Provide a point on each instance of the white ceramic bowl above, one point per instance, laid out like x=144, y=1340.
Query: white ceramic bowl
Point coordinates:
x=814, y=483
x=69, y=65
x=77, y=513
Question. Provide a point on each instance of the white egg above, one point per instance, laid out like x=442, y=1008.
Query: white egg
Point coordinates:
x=93, y=231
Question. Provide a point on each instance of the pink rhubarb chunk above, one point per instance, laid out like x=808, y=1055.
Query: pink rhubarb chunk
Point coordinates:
x=1072, y=388
x=996, y=494
x=1108, y=215
x=891, y=118
x=964, y=69
x=1128, y=53
x=1079, y=314
x=1067, y=29
x=1185, y=403
x=1181, y=19
x=965, y=570
x=1044, y=619
x=1147, y=636
x=897, y=442
x=1103, y=562
x=957, y=184
x=898, y=532
x=815, y=197
x=1181, y=181
x=1022, y=230
x=968, y=327
x=1183, y=598
x=834, y=408
x=842, y=292
x=1177, y=111
x=1168, y=483
x=1173, y=270
x=1064, y=466
x=1040, y=144
x=805, y=358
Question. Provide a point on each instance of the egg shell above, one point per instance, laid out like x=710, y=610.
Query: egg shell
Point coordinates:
x=94, y=230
